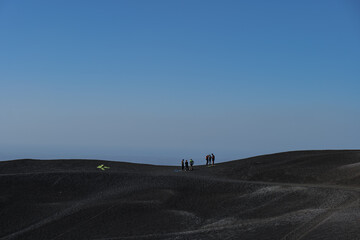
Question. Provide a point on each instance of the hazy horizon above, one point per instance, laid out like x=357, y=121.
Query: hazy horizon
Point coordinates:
x=166, y=80
x=156, y=158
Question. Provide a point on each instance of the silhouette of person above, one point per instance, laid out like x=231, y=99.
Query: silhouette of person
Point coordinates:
x=182, y=165
x=213, y=159
x=186, y=165
x=191, y=164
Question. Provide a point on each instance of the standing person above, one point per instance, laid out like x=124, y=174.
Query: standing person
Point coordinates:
x=213, y=159
x=207, y=159
x=182, y=165
x=186, y=165
x=191, y=164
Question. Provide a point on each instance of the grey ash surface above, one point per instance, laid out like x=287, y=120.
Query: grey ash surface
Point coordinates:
x=292, y=195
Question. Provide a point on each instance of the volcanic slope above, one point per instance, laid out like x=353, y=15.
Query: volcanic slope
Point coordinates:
x=291, y=195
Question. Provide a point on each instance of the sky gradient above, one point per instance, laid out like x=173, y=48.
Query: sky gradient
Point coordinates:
x=158, y=81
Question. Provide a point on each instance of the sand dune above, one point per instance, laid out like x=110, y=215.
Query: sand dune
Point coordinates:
x=292, y=195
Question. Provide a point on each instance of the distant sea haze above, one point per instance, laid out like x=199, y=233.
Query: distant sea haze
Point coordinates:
x=141, y=156
x=165, y=157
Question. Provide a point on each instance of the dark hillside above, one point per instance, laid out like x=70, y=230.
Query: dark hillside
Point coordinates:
x=293, y=195
x=331, y=166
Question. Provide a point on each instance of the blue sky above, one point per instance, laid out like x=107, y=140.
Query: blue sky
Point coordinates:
x=157, y=81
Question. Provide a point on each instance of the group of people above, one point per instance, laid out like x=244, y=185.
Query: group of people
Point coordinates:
x=185, y=165
x=210, y=158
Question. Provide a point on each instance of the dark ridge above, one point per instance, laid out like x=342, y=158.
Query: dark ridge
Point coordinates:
x=316, y=166
x=291, y=195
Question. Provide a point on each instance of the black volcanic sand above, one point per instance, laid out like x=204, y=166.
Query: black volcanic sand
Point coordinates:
x=292, y=195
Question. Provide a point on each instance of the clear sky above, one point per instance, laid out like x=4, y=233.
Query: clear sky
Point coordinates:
x=158, y=81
